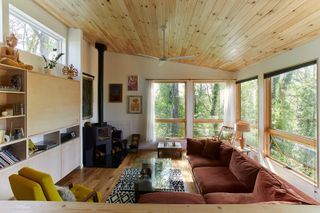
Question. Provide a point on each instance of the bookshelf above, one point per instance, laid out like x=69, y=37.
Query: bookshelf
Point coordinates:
x=12, y=121
x=40, y=109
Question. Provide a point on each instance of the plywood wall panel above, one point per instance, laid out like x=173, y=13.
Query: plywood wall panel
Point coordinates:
x=52, y=103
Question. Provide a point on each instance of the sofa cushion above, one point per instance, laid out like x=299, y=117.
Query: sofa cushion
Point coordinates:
x=217, y=179
x=199, y=161
x=171, y=198
x=195, y=146
x=244, y=169
x=229, y=198
x=225, y=153
x=269, y=187
x=211, y=149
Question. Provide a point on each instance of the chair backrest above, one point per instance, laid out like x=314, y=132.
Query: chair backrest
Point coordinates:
x=44, y=180
x=25, y=189
x=135, y=139
x=226, y=133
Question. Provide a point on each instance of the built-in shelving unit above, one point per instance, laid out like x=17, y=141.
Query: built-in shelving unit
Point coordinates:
x=11, y=116
x=41, y=110
x=13, y=123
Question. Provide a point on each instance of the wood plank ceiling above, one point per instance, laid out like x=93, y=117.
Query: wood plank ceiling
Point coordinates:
x=222, y=34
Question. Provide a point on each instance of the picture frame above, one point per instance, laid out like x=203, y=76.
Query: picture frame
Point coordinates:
x=115, y=93
x=134, y=104
x=87, y=95
x=133, y=83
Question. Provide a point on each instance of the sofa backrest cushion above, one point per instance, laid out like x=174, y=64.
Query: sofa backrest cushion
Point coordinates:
x=195, y=146
x=244, y=169
x=225, y=153
x=211, y=149
x=269, y=187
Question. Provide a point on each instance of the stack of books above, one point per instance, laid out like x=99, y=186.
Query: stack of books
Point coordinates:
x=18, y=109
x=7, y=158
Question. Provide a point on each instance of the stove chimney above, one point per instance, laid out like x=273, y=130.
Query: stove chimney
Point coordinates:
x=101, y=48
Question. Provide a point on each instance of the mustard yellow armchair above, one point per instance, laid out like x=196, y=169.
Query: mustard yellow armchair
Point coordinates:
x=30, y=184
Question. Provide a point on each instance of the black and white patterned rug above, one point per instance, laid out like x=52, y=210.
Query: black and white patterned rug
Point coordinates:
x=123, y=192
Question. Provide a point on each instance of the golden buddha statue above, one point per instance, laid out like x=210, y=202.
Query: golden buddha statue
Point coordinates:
x=10, y=55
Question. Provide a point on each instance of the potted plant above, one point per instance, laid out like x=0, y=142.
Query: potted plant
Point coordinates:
x=51, y=63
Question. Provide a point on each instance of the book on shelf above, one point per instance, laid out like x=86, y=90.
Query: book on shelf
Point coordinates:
x=10, y=155
x=3, y=162
x=6, y=158
x=18, y=109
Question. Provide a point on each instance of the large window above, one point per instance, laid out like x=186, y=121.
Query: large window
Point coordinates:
x=32, y=36
x=292, y=118
x=208, y=108
x=248, y=109
x=170, y=111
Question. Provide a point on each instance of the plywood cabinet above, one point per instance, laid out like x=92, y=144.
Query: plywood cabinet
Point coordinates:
x=52, y=103
x=51, y=107
x=49, y=162
x=70, y=156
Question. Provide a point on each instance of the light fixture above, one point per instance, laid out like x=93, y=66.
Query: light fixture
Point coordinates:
x=241, y=127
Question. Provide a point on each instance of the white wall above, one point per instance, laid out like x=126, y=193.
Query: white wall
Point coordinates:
x=304, y=53
x=117, y=69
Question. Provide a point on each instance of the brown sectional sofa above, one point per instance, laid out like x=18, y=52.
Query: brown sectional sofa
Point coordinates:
x=223, y=175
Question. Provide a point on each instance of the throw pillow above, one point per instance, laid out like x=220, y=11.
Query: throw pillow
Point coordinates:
x=269, y=187
x=195, y=146
x=244, y=170
x=225, y=153
x=211, y=149
x=66, y=194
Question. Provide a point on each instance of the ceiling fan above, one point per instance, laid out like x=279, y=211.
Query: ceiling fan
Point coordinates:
x=164, y=58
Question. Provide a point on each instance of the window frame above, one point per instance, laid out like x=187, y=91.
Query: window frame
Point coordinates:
x=238, y=106
x=293, y=138
x=174, y=120
x=39, y=26
x=203, y=120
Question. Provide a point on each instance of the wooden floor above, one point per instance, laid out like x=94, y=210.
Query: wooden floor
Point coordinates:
x=104, y=179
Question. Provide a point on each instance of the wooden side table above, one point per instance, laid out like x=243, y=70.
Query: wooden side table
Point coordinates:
x=169, y=148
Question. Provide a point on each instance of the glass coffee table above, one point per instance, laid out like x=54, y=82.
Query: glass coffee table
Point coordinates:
x=162, y=177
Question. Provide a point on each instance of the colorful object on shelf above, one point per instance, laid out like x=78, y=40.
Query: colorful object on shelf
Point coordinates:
x=10, y=55
x=70, y=71
x=7, y=158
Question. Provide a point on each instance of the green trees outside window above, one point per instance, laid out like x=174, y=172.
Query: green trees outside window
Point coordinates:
x=208, y=108
x=32, y=38
x=170, y=109
x=249, y=110
x=294, y=112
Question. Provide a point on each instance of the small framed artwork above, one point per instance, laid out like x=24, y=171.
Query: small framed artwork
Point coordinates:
x=133, y=83
x=134, y=104
x=115, y=93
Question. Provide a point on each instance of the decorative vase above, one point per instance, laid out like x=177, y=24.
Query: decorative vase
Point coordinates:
x=70, y=71
x=49, y=71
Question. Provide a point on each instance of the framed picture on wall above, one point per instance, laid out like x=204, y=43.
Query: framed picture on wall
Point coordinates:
x=134, y=104
x=133, y=83
x=115, y=93
x=87, y=95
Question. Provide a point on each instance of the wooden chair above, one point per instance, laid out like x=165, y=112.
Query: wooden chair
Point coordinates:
x=31, y=184
x=134, y=145
x=226, y=134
